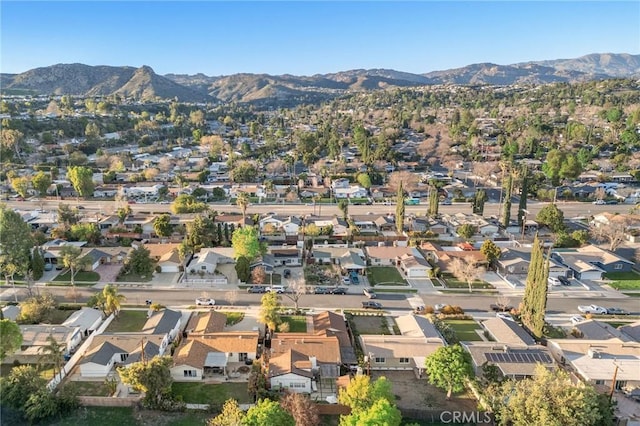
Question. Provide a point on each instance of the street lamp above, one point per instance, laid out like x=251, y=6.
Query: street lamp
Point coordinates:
x=524, y=221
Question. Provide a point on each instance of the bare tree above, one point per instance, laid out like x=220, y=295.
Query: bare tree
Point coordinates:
x=483, y=171
x=303, y=411
x=466, y=269
x=231, y=296
x=297, y=289
x=600, y=193
x=409, y=180
x=258, y=275
x=615, y=232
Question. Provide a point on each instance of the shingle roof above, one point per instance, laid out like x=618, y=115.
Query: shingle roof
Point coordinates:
x=290, y=362
x=509, y=332
x=207, y=322
x=162, y=322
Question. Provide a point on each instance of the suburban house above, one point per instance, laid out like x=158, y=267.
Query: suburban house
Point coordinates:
x=208, y=350
x=598, y=362
x=108, y=351
x=373, y=223
x=207, y=260
x=590, y=262
x=293, y=371
x=597, y=330
x=165, y=321
x=408, y=351
x=166, y=256
x=289, y=225
x=414, y=265
x=235, y=220
x=515, y=261
x=387, y=256
x=484, y=228
x=36, y=336
x=349, y=259
x=86, y=319
x=443, y=258
x=513, y=350
x=329, y=324
x=339, y=226
x=286, y=256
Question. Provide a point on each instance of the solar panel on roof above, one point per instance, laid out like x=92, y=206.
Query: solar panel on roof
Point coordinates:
x=518, y=357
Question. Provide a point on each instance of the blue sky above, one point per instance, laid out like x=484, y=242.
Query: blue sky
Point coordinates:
x=306, y=38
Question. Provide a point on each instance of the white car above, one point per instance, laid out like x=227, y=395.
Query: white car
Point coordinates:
x=576, y=319
x=439, y=306
x=505, y=316
x=276, y=289
x=592, y=309
x=553, y=281
x=599, y=202
x=205, y=301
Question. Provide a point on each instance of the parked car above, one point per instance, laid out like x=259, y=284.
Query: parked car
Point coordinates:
x=553, y=281
x=576, y=319
x=370, y=293
x=346, y=280
x=286, y=273
x=257, y=289
x=338, y=290
x=564, y=280
x=496, y=307
x=420, y=310
x=504, y=316
x=599, y=202
x=592, y=309
x=613, y=202
x=371, y=305
x=48, y=266
x=277, y=289
x=321, y=290
x=205, y=301
x=355, y=279
x=616, y=311
x=439, y=306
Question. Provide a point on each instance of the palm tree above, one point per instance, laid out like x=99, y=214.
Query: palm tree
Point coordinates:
x=111, y=299
x=242, y=201
x=71, y=259
x=52, y=353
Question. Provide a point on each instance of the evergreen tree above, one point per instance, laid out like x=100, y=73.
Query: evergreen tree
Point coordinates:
x=524, y=189
x=478, y=201
x=506, y=214
x=400, y=209
x=534, y=302
x=433, y=200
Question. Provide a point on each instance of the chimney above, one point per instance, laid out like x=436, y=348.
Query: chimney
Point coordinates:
x=505, y=348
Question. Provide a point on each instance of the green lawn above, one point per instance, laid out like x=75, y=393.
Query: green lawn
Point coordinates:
x=134, y=278
x=98, y=388
x=81, y=278
x=104, y=416
x=452, y=282
x=128, y=321
x=46, y=371
x=297, y=323
x=465, y=329
x=234, y=317
x=370, y=325
x=216, y=393
x=387, y=275
x=624, y=280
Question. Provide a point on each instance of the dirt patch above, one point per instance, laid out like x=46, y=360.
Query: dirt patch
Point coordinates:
x=371, y=324
x=417, y=394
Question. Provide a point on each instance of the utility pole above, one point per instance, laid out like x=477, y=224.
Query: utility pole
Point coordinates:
x=613, y=383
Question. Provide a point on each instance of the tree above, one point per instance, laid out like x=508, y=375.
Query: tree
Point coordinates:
x=243, y=268
x=20, y=184
x=162, y=225
x=297, y=288
x=258, y=275
x=466, y=270
x=37, y=309
x=257, y=383
x=85, y=232
x=361, y=393
x=231, y=297
x=231, y=415
x=140, y=262
x=400, y=209
x=11, y=338
x=382, y=412
x=15, y=243
x=343, y=205
x=405, y=179
x=71, y=258
x=303, y=411
x=267, y=412
x=153, y=377
x=200, y=233
x=40, y=405
x=551, y=398
x=478, y=201
x=245, y=242
x=524, y=190
x=615, y=232
x=82, y=180
x=364, y=180
x=534, y=302
x=552, y=217
x=41, y=182
x=22, y=382
x=448, y=368
x=242, y=201
x=269, y=310
x=53, y=354
x=185, y=203
x=434, y=200
x=506, y=214
x=66, y=215
x=490, y=251
x=108, y=300
x=466, y=230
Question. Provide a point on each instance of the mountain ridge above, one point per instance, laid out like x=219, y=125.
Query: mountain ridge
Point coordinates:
x=144, y=84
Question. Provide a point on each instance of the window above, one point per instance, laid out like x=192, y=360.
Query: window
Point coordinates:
x=599, y=382
x=617, y=266
x=123, y=357
x=404, y=360
x=297, y=385
x=190, y=373
x=203, y=267
x=621, y=384
x=380, y=360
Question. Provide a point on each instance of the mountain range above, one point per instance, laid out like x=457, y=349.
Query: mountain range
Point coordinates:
x=144, y=84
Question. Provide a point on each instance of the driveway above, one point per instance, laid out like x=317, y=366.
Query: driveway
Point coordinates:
x=108, y=272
